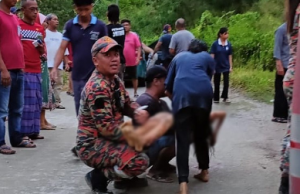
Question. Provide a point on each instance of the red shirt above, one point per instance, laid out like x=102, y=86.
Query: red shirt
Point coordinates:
x=30, y=33
x=10, y=43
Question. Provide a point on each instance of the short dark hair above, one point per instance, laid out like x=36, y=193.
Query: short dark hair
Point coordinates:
x=125, y=21
x=49, y=17
x=222, y=31
x=197, y=46
x=113, y=13
x=157, y=72
x=24, y=2
x=83, y=2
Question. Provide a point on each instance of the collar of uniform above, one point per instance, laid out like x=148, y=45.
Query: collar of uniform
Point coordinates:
x=93, y=20
x=220, y=42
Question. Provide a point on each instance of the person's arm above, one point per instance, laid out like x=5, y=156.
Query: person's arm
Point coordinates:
x=139, y=50
x=211, y=67
x=147, y=49
x=172, y=46
x=5, y=75
x=157, y=46
x=61, y=51
x=99, y=104
x=213, y=50
x=169, y=83
x=277, y=53
x=219, y=117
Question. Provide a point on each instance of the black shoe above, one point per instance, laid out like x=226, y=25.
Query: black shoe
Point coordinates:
x=97, y=182
x=284, y=185
x=73, y=150
x=131, y=183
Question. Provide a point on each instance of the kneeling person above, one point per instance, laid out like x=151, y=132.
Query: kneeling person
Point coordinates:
x=163, y=150
x=104, y=141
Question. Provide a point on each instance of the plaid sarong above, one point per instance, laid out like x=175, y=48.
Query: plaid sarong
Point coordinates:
x=32, y=104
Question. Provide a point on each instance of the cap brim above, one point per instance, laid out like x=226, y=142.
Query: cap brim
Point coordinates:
x=109, y=47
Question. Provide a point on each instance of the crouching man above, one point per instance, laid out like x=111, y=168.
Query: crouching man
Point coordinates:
x=104, y=142
x=162, y=150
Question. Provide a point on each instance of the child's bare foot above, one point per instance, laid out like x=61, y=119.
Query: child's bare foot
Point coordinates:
x=183, y=188
x=203, y=176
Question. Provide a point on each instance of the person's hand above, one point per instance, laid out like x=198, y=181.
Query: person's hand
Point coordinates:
x=141, y=116
x=134, y=105
x=67, y=68
x=137, y=61
x=53, y=74
x=5, y=78
x=230, y=70
x=41, y=49
x=279, y=68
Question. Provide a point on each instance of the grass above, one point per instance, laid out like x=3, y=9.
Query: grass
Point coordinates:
x=257, y=84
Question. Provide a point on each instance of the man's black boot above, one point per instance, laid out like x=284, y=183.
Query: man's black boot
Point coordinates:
x=97, y=182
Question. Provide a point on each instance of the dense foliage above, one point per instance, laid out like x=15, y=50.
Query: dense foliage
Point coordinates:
x=251, y=22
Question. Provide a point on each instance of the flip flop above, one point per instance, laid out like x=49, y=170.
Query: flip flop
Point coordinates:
x=27, y=139
x=6, y=150
x=26, y=144
x=36, y=137
x=160, y=178
x=48, y=128
x=60, y=107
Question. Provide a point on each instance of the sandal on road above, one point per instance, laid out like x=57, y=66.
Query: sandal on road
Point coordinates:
x=60, y=107
x=27, y=139
x=26, y=144
x=48, y=128
x=160, y=178
x=34, y=137
x=4, y=149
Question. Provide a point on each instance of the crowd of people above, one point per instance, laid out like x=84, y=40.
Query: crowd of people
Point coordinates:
x=96, y=56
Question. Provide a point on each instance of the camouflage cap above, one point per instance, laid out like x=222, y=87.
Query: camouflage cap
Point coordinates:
x=104, y=44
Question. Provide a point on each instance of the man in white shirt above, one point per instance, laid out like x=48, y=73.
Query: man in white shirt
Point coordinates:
x=53, y=40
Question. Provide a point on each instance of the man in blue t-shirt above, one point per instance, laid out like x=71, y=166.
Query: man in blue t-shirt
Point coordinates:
x=82, y=32
x=163, y=45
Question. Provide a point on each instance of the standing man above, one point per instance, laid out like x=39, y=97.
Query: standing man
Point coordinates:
x=132, y=53
x=181, y=40
x=282, y=56
x=33, y=45
x=11, y=77
x=163, y=44
x=117, y=32
x=82, y=32
x=53, y=40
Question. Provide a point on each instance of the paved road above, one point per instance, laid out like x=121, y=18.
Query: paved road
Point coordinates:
x=245, y=160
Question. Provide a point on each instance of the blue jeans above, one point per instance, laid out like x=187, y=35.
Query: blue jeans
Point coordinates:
x=163, y=142
x=11, y=105
x=77, y=89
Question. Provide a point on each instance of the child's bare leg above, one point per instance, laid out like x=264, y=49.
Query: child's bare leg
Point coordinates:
x=154, y=128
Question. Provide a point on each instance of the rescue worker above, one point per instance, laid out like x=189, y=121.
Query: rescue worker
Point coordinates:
x=104, y=142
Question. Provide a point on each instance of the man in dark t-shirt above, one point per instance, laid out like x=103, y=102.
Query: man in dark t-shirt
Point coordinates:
x=117, y=32
x=163, y=45
x=163, y=150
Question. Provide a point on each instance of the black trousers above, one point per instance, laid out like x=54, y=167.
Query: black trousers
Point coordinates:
x=217, y=81
x=191, y=122
x=281, y=107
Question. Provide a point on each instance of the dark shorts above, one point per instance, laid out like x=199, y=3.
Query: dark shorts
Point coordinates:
x=158, y=145
x=131, y=72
